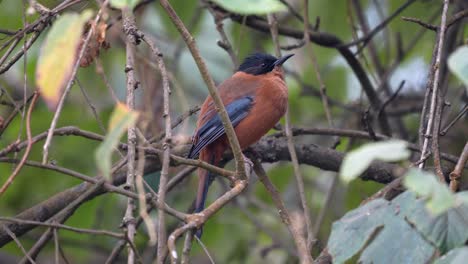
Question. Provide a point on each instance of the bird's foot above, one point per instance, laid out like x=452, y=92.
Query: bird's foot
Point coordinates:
x=248, y=164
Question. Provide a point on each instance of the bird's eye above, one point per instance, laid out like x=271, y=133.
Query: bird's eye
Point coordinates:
x=263, y=64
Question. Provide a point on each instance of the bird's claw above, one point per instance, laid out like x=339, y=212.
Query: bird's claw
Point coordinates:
x=248, y=164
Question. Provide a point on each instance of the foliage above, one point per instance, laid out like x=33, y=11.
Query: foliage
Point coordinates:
x=130, y=4
x=122, y=117
x=371, y=230
x=58, y=56
x=459, y=65
x=358, y=160
x=256, y=7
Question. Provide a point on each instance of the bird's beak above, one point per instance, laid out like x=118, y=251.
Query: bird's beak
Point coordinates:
x=282, y=60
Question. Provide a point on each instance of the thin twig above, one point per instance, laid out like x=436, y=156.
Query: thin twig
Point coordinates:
x=365, y=39
x=56, y=225
x=451, y=123
x=456, y=174
x=315, y=66
x=179, y=177
x=291, y=147
x=100, y=71
x=10, y=179
x=421, y=23
x=224, y=43
x=115, y=252
x=187, y=247
x=177, y=122
x=435, y=86
x=205, y=249
x=197, y=220
x=259, y=224
x=13, y=236
x=57, y=246
x=219, y=106
x=67, y=89
x=457, y=17
x=60, y=217
x=131, y=40
x=150, y=226
x=91, y=106
x=9, y=51
x=299, y=240
x=326, y=204
x=166, y=147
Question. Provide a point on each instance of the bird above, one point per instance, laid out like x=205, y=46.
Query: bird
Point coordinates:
x=255, y=98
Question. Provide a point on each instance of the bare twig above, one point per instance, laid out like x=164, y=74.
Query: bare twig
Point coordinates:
x=326, y=204
x=455, y=175
x=457, y=17
x=391, y=98
x=187, y=247
x=421, y=23
x=67, y=89
x=301, y=245
x=56, y=225
x=13, y=236
x=10, y=50
x=435, y=86
x=91, y=106
x=190, y=41
x=166, y=146
x=57, y=246
x=291, y=147
x=451, y=123
x=10, y=179
x=100, y=71
x=60, y=217
x=131, y=40
x=365, y=39
x=197, y=220
x=274, y=235
x=205, y=249
x=176, y=122
x=224, y=43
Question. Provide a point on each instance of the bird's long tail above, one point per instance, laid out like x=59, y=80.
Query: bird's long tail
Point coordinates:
x=205, y=178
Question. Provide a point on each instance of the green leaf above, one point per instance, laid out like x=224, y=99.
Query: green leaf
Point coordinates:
x=58, y=55
x=438, y=195
x=454, y=256
x=120, y=120
x=358, y=160
x=367, y=234
x=446, y=230
x=252, y=7
x=458, y=63
x=124, y=3
x=372, y=230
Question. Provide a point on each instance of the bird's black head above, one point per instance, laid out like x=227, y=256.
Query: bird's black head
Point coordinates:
x=260, y=63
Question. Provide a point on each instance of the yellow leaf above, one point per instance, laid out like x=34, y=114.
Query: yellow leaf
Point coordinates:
x=122, y=117
x=58, y=55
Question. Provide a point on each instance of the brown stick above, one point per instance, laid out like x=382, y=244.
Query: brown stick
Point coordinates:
x=10, y=179
x=190, y=41
x=301, y=245
x=456, y=174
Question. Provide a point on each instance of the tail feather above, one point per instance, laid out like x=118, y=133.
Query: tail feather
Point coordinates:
x=204, y=182
x=205, y=179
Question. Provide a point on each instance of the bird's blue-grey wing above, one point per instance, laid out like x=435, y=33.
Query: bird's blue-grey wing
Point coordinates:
x=213, y=128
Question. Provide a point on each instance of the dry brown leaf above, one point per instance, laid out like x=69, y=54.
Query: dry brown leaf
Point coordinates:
x=95, y=44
